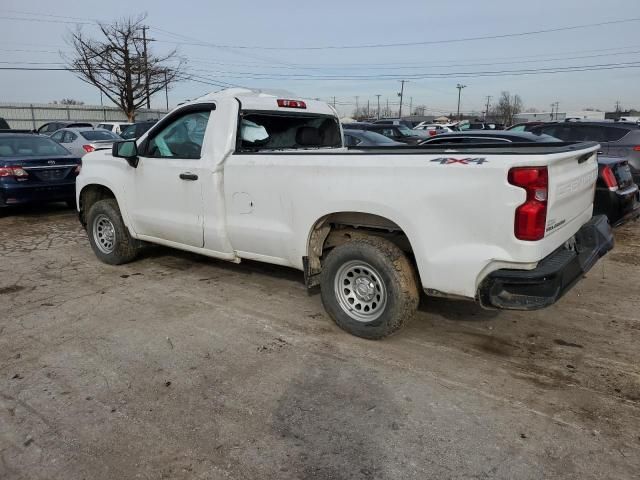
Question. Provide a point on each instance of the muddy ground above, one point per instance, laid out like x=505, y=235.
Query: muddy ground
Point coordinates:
x=178, y=366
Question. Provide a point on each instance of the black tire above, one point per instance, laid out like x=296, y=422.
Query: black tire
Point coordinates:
x=123, y=248
x=384, y=266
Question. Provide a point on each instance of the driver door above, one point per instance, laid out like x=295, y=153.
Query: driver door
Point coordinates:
x=166, y=193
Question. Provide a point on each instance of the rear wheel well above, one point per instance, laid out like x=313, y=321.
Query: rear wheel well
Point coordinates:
x=339, y=228
x=90, y=195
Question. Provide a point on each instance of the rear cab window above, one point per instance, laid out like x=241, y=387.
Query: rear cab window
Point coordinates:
x=260, y=131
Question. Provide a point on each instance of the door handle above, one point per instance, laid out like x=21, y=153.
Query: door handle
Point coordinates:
x=188, y=176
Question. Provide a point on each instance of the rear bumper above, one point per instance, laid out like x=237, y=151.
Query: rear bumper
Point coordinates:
x=620, y=206
x=22, y=194
x=554, y=275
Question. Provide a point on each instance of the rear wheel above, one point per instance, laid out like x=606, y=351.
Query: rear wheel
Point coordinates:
x=109, y=237
x=369, y=287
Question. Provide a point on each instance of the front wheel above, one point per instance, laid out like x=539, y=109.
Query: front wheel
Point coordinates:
x=109, y=237
x=369, y=287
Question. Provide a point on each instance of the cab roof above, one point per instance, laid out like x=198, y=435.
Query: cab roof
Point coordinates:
x=255, y=100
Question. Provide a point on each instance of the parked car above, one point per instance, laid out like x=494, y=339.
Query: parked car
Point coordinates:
x=617, y=195
x=81, y=141
x=479, y=125
x=115, y=127
x=524, y=126
x=433, y=129
x=51, y=127
x=35, y=169
x=136, y=130
x=371, y=227
x=4, y=125
x=488, y=136
x=619, y=140
x=365, y=138
x=398, y=133
x=394, y=121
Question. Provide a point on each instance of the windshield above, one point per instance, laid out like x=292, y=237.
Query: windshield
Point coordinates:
x=27, y=146
x=376, y=137
x=93, y=135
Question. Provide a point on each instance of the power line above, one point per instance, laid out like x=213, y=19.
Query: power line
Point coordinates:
x=425, y=42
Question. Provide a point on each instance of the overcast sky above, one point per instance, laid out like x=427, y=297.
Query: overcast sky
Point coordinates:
x=32, y=37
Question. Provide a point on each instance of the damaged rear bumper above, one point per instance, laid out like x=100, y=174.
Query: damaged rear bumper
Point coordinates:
x=553, y=276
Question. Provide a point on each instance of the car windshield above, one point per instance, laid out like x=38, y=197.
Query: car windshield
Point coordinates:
x=93, y=135
x=377, y=138
x=27, y=146
x=405, y=131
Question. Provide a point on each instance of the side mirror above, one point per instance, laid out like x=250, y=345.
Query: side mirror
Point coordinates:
x=127, y=150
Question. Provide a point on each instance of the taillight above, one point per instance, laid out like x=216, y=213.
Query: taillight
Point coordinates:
x=609, y=178
x=88, y=148
x=636, y=148
x=531, y=216
x=15, y=171
x=291, y=103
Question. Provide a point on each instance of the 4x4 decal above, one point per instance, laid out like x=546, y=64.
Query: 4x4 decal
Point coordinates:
x=462, y=161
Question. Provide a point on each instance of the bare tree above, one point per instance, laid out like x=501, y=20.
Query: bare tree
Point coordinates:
x=120, y=65
x=508, y=105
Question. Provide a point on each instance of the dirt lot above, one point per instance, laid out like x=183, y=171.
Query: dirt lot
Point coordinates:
x=178, y=366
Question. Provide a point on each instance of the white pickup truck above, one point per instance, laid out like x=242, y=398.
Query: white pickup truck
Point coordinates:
x=243, y=175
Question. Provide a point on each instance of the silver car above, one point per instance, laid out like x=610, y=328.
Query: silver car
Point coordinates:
x=80, y=141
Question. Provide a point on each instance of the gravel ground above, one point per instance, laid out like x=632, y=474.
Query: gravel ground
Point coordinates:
x=178, y=366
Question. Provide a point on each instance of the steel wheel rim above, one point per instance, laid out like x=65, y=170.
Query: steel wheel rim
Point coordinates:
x=104, y=234
x=360, y=291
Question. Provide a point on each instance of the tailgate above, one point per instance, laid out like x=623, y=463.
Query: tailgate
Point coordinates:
x=572, y=178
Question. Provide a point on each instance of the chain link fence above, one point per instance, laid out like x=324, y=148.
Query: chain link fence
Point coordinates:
x=34, y=115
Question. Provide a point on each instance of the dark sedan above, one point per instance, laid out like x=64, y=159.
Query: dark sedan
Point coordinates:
x=365, y=138
x=488, y=136
x=397, y=133
x=616, y=195
x=35, y=169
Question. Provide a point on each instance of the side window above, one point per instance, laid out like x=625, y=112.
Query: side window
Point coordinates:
x=388, y=132
x=182, y=138
x=519, y=128
x=69, y=137
x=57, y=136
x=615, y=133
x=588, y=133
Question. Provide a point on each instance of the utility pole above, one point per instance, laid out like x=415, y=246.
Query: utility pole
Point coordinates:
x=410, y=105
x=486, y=112
x=617, y=106
x=557, y=106
x=401, y=94
x=357, y=97
x=166, y=90
x=334, y=101
x=459, y=87
x=387, y=110
x=367, y=109
x=146, y=64
x=378, y=106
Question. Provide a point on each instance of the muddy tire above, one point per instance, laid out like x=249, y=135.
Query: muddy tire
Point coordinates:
x=109, y=237
x=369, y=287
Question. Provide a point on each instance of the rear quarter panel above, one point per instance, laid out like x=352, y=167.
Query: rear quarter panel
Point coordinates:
x=458, y=216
